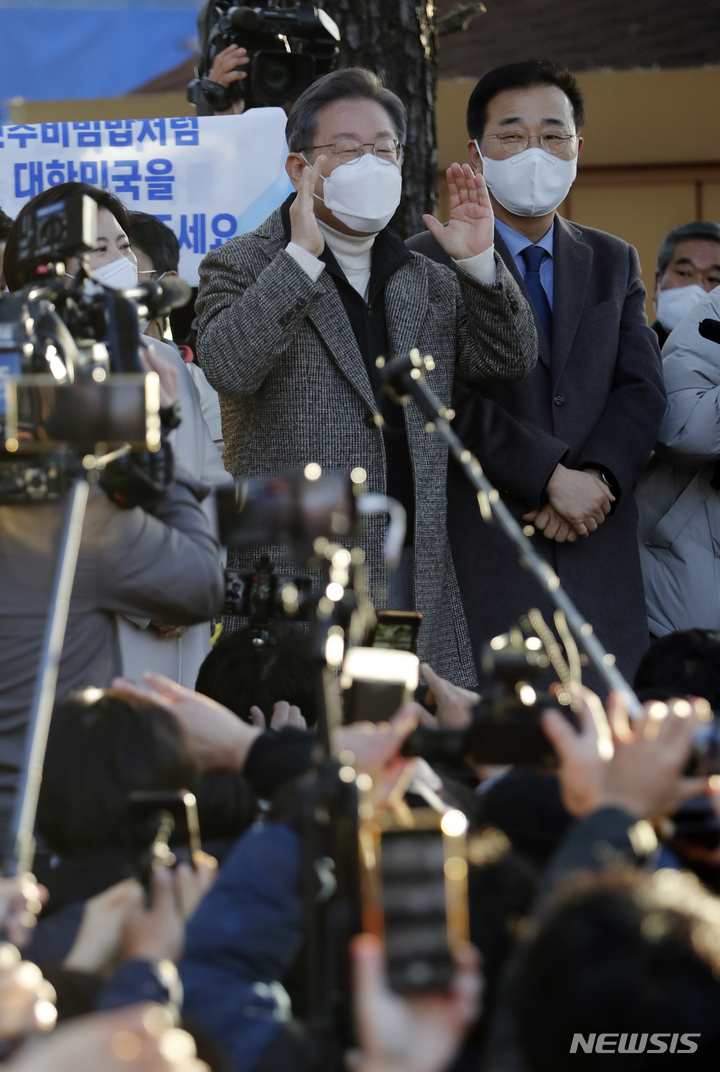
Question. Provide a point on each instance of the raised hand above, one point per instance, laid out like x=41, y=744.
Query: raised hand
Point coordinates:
x=472, y=224
x=27, y=1001
x=284, y=714
x=140, y=1038
x=413, y=1034
x=454, y=706
x=611, y=761
x=21, y=900
x=304, y=230
x=218, y=738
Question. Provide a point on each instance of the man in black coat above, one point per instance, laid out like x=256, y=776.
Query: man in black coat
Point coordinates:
x=566, y=446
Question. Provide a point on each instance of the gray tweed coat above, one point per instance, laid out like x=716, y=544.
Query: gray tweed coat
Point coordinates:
x=293, y=388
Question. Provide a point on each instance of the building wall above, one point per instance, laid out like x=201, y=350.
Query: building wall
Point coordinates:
x=651, y=158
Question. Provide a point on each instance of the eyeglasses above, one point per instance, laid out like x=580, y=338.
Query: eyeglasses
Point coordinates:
x=517, y=142
x=348, y=150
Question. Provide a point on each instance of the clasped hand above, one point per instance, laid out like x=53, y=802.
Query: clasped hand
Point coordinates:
x=578, y=502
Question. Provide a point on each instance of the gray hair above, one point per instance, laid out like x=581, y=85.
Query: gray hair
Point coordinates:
x=706, y=232
x=353, y=83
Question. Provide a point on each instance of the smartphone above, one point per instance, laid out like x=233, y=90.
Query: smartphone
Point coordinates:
x=376, y=682
x=397, y=629
x=165, y=831
x=414, y=890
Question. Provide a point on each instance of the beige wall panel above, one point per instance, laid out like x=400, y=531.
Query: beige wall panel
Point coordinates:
x=134, y=106
x=711, y=201
x=641, y=215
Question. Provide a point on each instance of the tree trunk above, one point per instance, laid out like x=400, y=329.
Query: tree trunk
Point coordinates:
x=397, y=40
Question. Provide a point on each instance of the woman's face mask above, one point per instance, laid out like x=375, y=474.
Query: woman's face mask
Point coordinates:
x=120, y=274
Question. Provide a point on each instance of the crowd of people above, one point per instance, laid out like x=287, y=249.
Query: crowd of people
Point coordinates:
x=593, y=886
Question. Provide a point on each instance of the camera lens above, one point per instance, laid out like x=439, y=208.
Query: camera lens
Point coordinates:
x=277, y=76
x=281, y=76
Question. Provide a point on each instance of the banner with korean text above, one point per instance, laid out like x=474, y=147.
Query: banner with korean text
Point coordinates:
x=208, y=178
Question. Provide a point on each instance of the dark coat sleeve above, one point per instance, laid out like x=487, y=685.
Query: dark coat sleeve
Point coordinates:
x=243, y=937
x=623, y=438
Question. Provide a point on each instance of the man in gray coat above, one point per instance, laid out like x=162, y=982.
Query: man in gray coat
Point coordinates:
x=293, y=317
x=567, y=445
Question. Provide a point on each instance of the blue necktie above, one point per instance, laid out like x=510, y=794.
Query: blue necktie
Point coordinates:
x=533, y=257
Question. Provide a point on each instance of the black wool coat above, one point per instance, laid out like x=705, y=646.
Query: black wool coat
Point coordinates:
x=595, y=398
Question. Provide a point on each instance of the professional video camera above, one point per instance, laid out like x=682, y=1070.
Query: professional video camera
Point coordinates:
x=289, y=45
x=71, y=383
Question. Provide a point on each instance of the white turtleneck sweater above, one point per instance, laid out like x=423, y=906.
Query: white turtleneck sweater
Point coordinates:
x=354, y=255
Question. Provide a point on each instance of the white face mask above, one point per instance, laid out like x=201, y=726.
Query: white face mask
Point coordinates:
x=532, y=183
x=363, y=195
x=120, y=274
x=672, y=305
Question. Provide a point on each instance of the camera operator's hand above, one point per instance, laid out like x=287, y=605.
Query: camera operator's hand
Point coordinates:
x=471, y=227
x=636, y=766
x=224, y=72
x=218, y=738
x=284, y=714
x=138, y=1038
x=224, y=66
x=21, y=900
x=167, y=374
x=552, y=524
x=304, y=230
x=410, y=1034
x=27, y=1001
x=454, y=706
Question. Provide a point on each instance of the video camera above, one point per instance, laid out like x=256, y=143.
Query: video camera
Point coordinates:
x=289, y=47
x=71, y=383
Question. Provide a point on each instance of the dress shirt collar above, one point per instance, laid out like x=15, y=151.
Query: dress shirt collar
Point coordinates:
x=516, y=242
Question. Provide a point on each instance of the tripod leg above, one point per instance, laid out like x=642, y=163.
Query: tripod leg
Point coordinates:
x=21, y=848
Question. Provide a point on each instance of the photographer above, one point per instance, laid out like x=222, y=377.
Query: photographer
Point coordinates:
x=293, y=317
x=169, y=647
x=161, y=561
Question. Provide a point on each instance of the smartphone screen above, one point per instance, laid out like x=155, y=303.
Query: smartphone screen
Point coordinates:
x=376, y=682
x=397, y=629
x=414, y=890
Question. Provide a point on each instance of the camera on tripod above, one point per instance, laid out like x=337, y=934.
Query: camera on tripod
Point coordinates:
x=289, y=47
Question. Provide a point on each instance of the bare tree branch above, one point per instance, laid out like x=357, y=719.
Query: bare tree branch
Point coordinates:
x=459, y=18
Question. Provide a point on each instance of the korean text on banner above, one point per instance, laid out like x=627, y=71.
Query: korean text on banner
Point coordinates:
x=208, y=178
